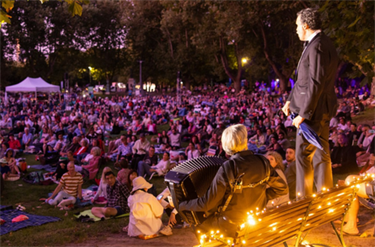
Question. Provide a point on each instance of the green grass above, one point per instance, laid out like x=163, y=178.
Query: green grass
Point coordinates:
x=366, y=117
x=67, y=230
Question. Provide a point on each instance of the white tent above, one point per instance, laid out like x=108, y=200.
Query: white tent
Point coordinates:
x=33, y=85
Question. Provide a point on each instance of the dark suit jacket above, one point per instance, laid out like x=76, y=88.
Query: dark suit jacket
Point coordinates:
x=313, y=95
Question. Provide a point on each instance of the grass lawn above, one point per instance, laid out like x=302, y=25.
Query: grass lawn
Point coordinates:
x=68, y=230
x=366, y=117
x=65, y=231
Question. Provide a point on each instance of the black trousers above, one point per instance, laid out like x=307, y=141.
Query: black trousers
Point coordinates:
x=312, y=164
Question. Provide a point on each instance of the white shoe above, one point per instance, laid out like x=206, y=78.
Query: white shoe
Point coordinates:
x=166, y=230
x=151, y=176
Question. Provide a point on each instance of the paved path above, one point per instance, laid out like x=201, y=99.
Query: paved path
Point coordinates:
x=185, y=237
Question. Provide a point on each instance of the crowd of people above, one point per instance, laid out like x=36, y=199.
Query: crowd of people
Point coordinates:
x=78, y=135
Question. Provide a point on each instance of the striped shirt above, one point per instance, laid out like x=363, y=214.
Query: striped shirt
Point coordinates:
x=70, y=183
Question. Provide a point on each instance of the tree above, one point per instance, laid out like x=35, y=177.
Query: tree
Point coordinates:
x=50, y=42
x=74, y=6
x=351, y=25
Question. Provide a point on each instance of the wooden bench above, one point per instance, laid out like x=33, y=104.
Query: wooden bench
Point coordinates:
x=293, y=220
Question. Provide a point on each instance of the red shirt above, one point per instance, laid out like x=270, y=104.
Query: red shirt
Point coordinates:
x=15, y=144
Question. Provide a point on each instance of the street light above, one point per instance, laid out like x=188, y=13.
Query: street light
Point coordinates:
x=90, y=74
x=140, y=76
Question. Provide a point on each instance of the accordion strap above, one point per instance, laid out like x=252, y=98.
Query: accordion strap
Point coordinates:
x=234, y=183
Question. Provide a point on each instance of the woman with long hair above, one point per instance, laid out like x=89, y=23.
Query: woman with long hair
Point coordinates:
x=101, y=193
x=276, y=162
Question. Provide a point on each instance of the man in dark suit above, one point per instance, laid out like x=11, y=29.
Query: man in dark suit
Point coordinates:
x=314, y=100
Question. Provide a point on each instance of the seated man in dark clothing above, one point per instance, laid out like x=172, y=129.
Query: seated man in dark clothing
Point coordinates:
x=73, y=147
x=255, y=170
x=117, y=198
x=344, y=157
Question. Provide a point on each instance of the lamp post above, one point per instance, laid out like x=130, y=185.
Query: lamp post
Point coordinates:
x=140, y=77
x=90, y=74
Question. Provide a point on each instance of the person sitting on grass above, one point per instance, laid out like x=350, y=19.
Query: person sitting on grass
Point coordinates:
x=92, y=168
x=117, y=198
x=149, y=160
x=69, y=188
x=163, y=166
x=6, y=170
x=123, y=174
x=9, y=157
x=101, y=193
x=145, y=211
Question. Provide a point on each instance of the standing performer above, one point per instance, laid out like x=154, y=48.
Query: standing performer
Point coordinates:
x=252, y=169
x=314, y=100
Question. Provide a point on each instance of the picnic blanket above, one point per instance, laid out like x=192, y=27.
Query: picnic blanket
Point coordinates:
x=89, y=214
x=34, y=220
x=47, y=168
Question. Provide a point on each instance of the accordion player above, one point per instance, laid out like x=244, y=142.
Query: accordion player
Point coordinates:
x=211, y=207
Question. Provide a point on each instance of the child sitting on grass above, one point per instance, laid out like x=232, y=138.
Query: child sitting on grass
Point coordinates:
x=145, y=211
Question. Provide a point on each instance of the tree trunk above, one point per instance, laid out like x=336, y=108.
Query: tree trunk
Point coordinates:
x=373, y=86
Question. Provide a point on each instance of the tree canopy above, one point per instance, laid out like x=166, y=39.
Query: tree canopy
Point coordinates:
x=205, y=40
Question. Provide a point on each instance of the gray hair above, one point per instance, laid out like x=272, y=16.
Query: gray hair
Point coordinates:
x=234, y=139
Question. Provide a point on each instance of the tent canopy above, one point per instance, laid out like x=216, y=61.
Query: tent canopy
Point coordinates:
x=33, y=85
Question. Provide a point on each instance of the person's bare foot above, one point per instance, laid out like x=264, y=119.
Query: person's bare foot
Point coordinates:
x=350, y=231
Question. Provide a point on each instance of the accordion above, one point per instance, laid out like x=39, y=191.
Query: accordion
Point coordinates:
x=191, y=180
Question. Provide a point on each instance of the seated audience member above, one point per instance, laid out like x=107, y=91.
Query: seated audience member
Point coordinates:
x=175, y=139
x=276, y=162
x=113, y=145
x=69, y=188
x=163, y=140
x=14, y=144
x=124, y=151
x=366, y=137
x=139, y=150
x=145, y=211
x=9, y=157
x=290, y=171
x=174, y=217
x=343, y=156
x=284, y=143
x=151, y=159
x=4, y=169
x=101, y=193
x=4, y=147
x=73, y=147
x=123, y=174
x=92, y=168
x=61, y=169
x=191, y=152
x=351, y=227
x=117, y=198
x=27, y=139
x=81, y=152
x=161, y=168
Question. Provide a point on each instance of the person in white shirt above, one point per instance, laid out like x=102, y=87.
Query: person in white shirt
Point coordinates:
x=140, y=148
x=191, y=152
x=175, y=139
x=163, y=166
x=145, y=211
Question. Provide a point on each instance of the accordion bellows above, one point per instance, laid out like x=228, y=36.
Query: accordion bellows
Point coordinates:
x=191, y=180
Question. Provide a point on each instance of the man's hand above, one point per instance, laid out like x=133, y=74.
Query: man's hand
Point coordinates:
x=172, y=219
x=285, y=108
x=297, y=121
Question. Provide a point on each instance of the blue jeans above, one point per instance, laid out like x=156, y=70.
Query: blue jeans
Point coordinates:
x=143, y=169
